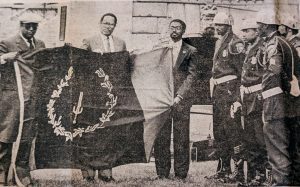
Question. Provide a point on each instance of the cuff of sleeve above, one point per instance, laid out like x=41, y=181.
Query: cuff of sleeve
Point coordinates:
x=2, y=61
x=180, y=96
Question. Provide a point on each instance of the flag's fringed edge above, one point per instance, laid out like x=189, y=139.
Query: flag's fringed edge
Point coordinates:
x=59, y=130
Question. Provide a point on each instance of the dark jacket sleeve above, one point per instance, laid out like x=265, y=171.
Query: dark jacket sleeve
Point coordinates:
x=187, y=84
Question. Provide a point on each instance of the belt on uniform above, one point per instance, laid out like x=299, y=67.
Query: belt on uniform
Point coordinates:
x=272, y=92
x=251, y=89
x=221, y=80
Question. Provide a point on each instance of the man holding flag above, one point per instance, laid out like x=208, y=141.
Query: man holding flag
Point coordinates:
x=103, y=42
x=184, y=75
x=16, y=82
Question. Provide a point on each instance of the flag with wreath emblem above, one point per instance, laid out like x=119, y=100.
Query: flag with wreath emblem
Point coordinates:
x=87, y=110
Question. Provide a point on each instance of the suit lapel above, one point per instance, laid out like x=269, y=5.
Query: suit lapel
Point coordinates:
x=181, y=56
x=37, y=44
x=21, y=43
x=99, y=43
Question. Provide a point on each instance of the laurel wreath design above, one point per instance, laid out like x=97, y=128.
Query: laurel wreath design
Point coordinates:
x=55, y=121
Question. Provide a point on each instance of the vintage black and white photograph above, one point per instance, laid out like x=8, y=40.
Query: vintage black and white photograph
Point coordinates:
x=149, y=93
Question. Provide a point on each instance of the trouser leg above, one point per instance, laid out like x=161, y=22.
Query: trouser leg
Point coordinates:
x=277, y=138
x=256, y=153
x=162, y=151
x=220, y=135
x=181, y=141
x=5, y=159
x=25, y=151
x=295, y=150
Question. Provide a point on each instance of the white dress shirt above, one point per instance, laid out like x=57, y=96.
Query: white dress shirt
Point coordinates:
x=111, y=43
x=176, y=49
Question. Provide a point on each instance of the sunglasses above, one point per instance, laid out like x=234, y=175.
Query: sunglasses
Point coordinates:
x=28, y=26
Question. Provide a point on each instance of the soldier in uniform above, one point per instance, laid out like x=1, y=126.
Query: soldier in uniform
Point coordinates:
x=225, y=85
x=289, y=30
x=280, y=103
x=251, y=102
x=11, y=49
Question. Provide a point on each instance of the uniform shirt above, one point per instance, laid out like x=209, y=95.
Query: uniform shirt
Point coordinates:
x=228, y=57
x=273, y=62
x=253, y=64
x=295, y=41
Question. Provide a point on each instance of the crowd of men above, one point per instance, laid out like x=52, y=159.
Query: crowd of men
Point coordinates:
x=254, y=89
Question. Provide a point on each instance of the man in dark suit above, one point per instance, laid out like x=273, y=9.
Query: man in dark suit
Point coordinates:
x=10, y=50
x=184, y=72
x=103, y=42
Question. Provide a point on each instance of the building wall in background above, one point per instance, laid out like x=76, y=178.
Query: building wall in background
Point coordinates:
x=48, y=28
x=141, y=23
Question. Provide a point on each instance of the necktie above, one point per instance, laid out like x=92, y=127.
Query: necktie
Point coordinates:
x=107, y=45
x=30, y=43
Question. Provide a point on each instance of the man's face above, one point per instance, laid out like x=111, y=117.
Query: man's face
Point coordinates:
x=107, y=25
x=283, y=30
x=261, y=29
x=210, y=31
x=28, y=30
x=249, y=35
x=221, y=29
x=176, y=31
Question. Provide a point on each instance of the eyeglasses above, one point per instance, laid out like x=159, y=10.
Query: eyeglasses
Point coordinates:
x=109, y=24
x=178, y=28
x=27, y=26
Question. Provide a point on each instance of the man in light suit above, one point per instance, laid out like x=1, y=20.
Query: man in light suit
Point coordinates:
x=103, y=42
x=10, y=50
x=184, y=72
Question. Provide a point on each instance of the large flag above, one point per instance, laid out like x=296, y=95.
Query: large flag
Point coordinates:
x=91, y=107
x=152, y=78
x=87, y=110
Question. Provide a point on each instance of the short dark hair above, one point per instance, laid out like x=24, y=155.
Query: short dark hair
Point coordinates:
x=109, y=14
x=179, y=21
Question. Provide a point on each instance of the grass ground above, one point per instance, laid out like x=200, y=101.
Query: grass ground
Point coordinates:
x=133, y=175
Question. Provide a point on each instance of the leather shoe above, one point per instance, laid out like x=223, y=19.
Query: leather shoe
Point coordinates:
x=89, y=179
x=106, y=179
x=161, y=177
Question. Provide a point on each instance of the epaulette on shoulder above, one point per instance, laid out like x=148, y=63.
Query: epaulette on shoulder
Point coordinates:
x=271, y=48
x=236, y=46
x=295, y=41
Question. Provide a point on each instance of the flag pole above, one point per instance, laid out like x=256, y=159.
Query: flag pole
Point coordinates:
x=12, y=169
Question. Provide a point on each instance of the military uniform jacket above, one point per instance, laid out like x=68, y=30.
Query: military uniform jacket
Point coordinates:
x=252, y=73
x=9, y=100
x=295, y=41
x=228, y=60
x=277, y=73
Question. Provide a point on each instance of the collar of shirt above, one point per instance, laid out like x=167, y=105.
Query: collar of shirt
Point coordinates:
x=176, y=49
x=177, y=44
x=26, y=41
x=111, y=42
